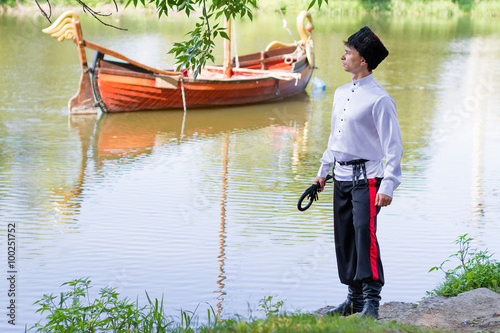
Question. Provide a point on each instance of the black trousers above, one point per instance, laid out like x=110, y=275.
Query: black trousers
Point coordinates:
x=355, y=227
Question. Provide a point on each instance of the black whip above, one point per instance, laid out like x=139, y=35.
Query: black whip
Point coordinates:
x=312, y=194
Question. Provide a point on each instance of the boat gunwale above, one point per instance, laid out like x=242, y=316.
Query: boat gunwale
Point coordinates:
x=273, y=74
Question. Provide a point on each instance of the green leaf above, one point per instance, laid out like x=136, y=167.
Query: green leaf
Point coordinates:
x=311, y=4
x=219, y=14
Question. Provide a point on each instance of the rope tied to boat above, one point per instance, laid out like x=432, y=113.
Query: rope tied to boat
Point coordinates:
x=312, y=194
x=235, y=44
x=286, y=76
x=184, y=105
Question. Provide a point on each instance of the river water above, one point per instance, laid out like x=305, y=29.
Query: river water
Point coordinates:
x=203, y=212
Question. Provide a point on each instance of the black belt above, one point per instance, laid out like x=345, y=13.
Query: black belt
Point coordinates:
x=358, y=166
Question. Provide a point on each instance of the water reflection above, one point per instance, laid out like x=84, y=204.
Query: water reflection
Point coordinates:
x=475, y=73
x=130, y=135
x=480, y=89
x=222, y=232
x=464, y=109
x=124, y=138
x=127, y=138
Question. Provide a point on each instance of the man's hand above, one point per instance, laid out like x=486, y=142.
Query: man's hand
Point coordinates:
x=321, y=181
x=382, y=200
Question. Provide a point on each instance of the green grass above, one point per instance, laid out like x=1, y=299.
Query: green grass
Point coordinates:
x=476, y=269
x=481, y=276
x=74, y=311
x=312, y=323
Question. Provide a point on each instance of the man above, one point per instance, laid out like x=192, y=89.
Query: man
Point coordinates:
x=365, y=130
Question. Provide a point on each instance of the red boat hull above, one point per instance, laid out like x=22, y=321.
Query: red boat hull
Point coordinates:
x=122, y=87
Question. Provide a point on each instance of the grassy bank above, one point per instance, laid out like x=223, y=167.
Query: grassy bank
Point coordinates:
x=309, y=323
x=446, y=8
x=481, y=8
x=74, y=311
x=476, y=269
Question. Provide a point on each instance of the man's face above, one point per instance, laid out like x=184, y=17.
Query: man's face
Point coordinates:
x=352, y=61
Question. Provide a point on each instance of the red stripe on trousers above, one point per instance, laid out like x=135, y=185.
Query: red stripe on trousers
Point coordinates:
x=373, y=239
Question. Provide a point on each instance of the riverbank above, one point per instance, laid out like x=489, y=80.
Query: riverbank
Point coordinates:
x=439, y=8
x=477, y=310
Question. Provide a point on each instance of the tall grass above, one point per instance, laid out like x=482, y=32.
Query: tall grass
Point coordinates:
x=74, y=311
x=476, y=269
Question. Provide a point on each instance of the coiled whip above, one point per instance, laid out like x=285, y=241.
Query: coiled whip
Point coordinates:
x=312, y=194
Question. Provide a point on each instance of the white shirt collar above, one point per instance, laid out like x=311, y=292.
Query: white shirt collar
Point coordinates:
x=366, y=80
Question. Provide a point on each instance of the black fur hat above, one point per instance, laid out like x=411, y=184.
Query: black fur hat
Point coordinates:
x=369, y=47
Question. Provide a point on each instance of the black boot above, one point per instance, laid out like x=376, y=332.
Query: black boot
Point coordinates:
x=353, y=303
x=371, y=295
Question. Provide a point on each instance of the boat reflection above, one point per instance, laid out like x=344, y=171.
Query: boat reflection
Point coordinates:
x=127, y=136
x=110, y=139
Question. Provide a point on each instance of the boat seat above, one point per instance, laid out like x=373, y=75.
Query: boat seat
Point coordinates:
x=264, y=59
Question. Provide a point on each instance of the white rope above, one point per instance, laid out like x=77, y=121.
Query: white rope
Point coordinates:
x=185, y=109
x=295, y=77
x=264, y=74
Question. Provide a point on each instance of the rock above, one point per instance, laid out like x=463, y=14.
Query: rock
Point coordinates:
x=474, y=310
x=324, y=310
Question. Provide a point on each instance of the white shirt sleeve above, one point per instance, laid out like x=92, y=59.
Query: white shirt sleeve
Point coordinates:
x=327, y=161
x=387, y=125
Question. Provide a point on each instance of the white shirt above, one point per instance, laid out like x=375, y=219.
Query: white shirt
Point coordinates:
x=365, y=125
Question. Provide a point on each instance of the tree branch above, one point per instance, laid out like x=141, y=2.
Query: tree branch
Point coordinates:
x=43, y=11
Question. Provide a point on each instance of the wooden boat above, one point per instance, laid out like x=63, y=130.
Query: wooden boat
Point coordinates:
x=121, y=84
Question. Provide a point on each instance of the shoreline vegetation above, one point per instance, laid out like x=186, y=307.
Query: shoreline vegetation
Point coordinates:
x=438, y=8
x=466, y=300
x=73, y=311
